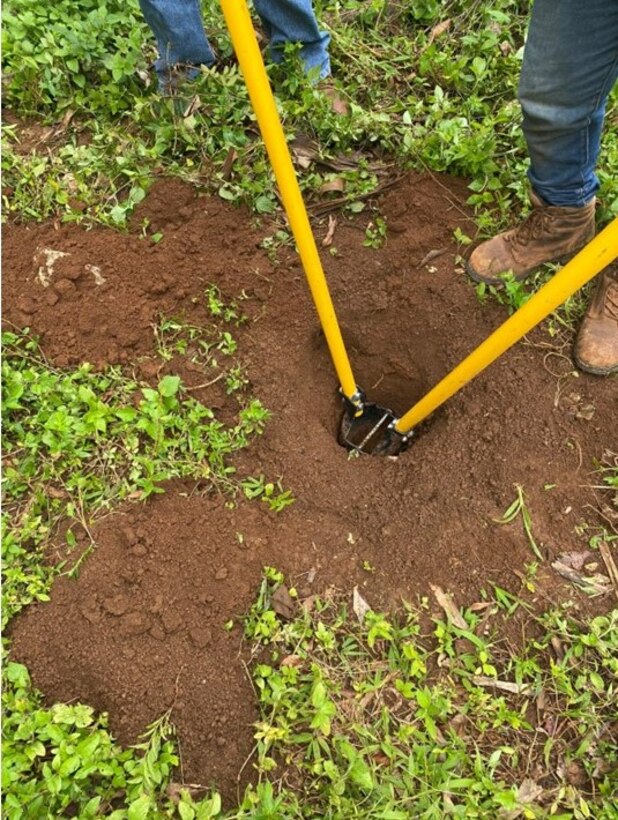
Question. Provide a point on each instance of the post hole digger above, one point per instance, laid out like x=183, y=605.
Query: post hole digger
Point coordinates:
x=367, y=427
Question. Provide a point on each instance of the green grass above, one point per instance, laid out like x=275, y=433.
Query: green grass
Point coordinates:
x=424, y=99
x=77, y=443
x=374, y=719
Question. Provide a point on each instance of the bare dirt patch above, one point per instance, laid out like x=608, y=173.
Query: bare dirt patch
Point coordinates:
x=143, y=627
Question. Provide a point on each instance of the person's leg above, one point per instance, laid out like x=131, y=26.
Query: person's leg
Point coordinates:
x=570, y=65
x=181, y=41
x=294, y=21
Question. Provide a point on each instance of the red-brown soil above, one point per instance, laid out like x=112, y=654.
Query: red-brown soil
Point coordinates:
x=142, y=628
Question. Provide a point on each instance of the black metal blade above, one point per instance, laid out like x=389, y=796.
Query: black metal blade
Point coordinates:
x=372, y=431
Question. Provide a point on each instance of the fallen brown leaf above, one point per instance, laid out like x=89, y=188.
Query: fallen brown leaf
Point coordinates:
x=228, y=163
x=291, y=660
x=359, y=605
x=330, y=233
x=609, y=562
x=438, y=30
x=283, y=603
x=448, y=605
x=502, y=685
x=431, y=255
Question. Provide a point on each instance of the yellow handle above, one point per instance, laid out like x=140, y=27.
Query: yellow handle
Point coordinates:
x=591, y=260
x=247, y=50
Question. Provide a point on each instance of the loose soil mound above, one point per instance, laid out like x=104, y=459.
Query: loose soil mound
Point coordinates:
x=142, y=628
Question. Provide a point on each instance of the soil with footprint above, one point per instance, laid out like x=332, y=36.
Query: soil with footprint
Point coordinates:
x=142, y=628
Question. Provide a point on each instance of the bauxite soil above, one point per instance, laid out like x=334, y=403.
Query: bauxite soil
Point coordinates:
x=143, y=627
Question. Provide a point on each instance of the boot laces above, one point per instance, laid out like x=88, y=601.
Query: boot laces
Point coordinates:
x=534, y=226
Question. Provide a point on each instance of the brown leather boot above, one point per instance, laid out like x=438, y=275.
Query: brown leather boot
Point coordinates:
x=548, y=234
x=596, y=348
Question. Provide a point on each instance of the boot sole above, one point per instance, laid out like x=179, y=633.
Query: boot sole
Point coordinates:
x=594, y=371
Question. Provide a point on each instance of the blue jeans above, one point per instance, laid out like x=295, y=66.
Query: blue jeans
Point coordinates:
x=570, y=65
x=182, y=42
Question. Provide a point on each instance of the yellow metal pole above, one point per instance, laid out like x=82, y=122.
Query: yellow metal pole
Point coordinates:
x=247, y=50
x=591, y=260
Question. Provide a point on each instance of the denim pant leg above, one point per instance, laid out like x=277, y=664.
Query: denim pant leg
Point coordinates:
x=178, y=27
x=294, y=21
x=570, y=65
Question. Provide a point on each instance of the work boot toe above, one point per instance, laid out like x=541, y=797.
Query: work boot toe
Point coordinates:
x=548, y=234
x=596, y=348
x=491, y=260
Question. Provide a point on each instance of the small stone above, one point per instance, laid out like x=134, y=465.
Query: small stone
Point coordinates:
x=200, y=637
x=51, y=298
x=131, y=338
x=157, y=632
x=128, y=574
x=116, y=605
x=157, y=604
x=73, y=269
x=128, y=533
x=221, y=574
x=171, y=621
x=64, y=286
x=139, y=550
x=221, y=741
x=149, y=368
x=91, y=611
x=134, y=623
x=27, y=305
x=21, y=319
x=158, y=288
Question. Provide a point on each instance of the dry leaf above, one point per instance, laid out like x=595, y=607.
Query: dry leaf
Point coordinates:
x=609, y=562
x=332, y=224
x=438, y=30
x=194, y=105
x=228, y=163
x=175, y=790
x=502, y=685
x=308, y=603
x=585, y=412
x=291, y=660
x=479, y=606
x=557, y=647
x=144, y=77
x=283, y=603
x=431, y=255
x=359, y=605
x=529, y=791
x=447, y=604
x=596, y=584
x=574, y=559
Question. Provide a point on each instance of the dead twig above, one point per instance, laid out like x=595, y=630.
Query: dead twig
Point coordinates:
x=609, y=562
